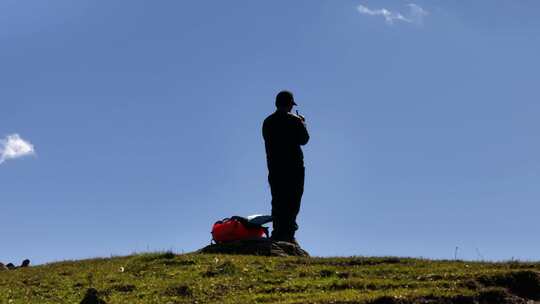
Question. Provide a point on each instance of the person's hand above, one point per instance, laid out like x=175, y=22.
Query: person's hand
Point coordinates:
x=302, y=118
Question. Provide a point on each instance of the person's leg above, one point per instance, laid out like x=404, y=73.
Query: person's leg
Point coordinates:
x=278, y=223
x=297, y=190
x=287, y=189
x=279, y=206
x=298, y=193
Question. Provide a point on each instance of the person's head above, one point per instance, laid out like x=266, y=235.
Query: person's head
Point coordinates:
x=285, y=101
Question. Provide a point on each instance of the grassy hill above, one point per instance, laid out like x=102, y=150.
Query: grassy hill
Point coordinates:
x=190, y=278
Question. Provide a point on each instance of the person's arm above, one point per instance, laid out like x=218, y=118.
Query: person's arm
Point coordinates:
x=265, y=130
x=302, y=132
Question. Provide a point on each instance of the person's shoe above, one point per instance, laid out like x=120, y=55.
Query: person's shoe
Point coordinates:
x=277, y=239
x=278, y=236
x=289, y=240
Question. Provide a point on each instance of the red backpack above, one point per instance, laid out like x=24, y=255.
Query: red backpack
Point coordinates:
x=239, y=228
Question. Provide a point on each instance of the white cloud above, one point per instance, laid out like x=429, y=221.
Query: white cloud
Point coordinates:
x=389, y=16
x=13, y=146
x=416, y=14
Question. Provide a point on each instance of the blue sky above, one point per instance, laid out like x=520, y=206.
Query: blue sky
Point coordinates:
x=146, y=122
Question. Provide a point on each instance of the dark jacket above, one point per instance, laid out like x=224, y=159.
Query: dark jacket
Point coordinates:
x=283, y=134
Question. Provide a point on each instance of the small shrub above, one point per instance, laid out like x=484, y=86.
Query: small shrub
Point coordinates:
x=493, y=295
x=325, y=273
x=178, y=263
x=343, y=275
x=166, y=255
x=525, y=284
x=463, y=300
x=385, y=300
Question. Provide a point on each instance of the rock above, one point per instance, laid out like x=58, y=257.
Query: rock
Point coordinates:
x=10, y=266
x=265, y=247
x=25, y=263
x=92, y=297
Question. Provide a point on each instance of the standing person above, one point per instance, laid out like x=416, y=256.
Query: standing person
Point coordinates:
x=283, y=134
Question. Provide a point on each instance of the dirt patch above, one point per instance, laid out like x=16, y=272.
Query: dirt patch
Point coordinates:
x=92, y=297
x=178, y=290
x=124, y=288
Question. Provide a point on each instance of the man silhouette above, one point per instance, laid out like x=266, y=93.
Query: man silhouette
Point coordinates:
x=283, y=134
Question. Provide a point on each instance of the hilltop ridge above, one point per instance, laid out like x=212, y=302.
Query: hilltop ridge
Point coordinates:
x=214, y=278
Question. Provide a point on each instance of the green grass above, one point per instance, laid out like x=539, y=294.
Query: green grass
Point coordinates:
x=191, y=278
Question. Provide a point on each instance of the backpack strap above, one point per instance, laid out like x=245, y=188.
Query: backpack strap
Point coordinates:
x=260, y=219
x=245, y=222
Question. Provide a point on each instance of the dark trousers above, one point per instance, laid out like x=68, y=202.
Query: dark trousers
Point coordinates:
x=287, y=187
